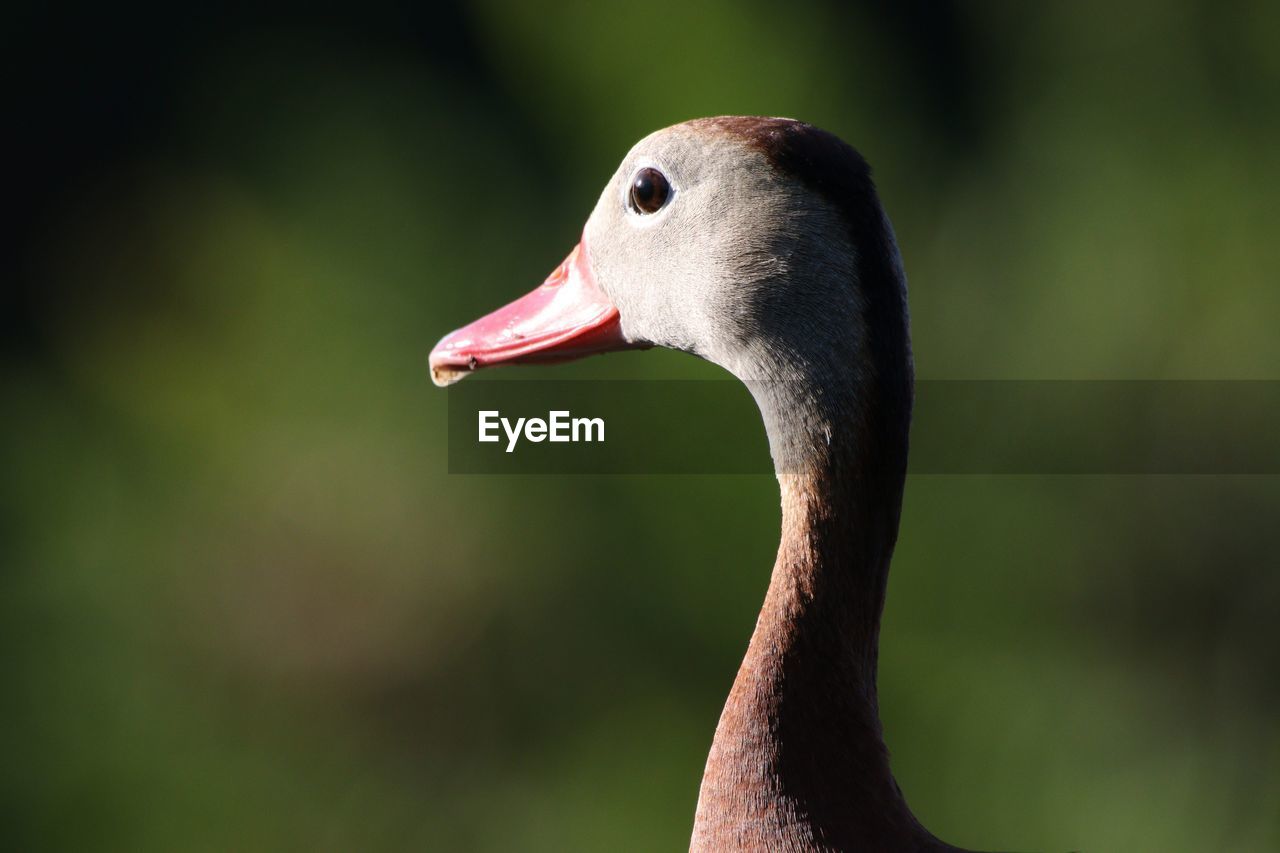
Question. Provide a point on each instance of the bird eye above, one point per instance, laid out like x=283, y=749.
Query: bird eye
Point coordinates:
x=649, y=190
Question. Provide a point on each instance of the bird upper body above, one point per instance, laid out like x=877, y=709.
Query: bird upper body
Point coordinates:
x=760, y=244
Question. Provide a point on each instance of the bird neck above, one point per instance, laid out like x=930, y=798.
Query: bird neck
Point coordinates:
x=798, y=761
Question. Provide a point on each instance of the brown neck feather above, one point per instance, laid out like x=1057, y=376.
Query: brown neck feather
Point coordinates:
x=798, y=761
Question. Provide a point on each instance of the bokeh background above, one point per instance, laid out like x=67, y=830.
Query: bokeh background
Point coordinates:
x=243, y=606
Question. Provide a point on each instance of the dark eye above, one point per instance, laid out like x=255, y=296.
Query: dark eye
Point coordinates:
x=649, y=190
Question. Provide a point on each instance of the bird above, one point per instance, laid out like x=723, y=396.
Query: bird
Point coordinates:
x=760, y=244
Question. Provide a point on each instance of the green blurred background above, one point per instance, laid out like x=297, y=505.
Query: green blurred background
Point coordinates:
x=243, y=606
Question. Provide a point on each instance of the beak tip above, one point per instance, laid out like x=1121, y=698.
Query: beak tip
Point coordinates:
x=444, y=366
x=442, y=377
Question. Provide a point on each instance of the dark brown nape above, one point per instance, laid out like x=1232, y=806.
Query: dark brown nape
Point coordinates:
x=834, y=170
x=798, y=761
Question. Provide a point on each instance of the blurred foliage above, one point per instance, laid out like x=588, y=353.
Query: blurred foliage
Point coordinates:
x=243, y=606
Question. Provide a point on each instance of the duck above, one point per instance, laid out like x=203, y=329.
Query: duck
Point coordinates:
x=760, y=244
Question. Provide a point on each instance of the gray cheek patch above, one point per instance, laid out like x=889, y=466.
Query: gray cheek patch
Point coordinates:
x=727, y=272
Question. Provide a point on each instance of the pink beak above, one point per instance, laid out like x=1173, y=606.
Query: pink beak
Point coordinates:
x=566, y=317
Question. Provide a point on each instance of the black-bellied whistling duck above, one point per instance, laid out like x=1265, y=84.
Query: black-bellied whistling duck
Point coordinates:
x=760, y=244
